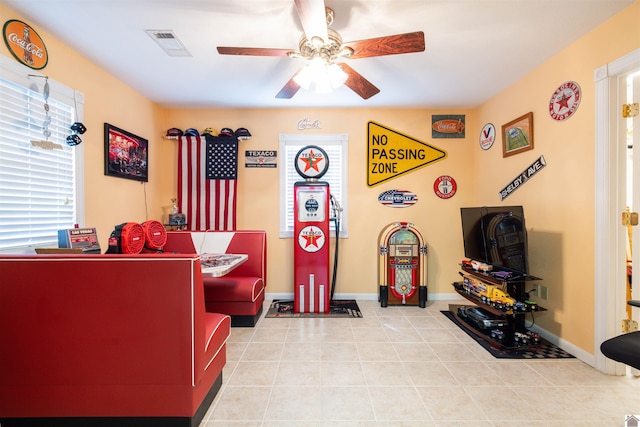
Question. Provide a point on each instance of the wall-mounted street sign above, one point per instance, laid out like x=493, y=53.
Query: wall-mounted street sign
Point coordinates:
x=25, y=44
x=391, y=154
x=524, y=176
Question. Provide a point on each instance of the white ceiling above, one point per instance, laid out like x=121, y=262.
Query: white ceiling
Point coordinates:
x=474, y=48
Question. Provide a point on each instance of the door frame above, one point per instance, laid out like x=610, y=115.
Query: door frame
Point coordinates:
x=609, y=238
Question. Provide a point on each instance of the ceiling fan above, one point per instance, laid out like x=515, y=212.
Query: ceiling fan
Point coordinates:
x=324, y=49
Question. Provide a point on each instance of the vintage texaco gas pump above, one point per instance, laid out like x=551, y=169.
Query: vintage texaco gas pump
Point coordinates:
x=311, y=232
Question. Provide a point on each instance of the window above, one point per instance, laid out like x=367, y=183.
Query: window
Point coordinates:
x=336, y=148
x=40, y=186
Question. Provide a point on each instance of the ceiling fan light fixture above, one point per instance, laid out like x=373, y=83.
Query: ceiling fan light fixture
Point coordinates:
x=336, y=75
x=304, y=77
x=325, y=77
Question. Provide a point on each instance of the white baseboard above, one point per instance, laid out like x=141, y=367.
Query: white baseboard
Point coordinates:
x=367, y=297
x=579, y=353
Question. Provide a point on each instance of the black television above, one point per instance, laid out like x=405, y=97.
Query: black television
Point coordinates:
x=496, y=235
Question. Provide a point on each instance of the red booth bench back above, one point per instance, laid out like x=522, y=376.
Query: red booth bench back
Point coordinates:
x=240, y=293
x=86, y=337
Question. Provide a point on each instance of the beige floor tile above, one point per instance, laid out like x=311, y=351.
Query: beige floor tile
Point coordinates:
x=294, y=403
x=241, y=404
x=515, y=372
x=235, y=350
x=370, y=334
x=474, y=373
x=438, y=335
x=498, y=408
x=403, y=367
x=346, y=403
x=385, y=374
x=342, y=374
x=262, y=351
x=408, y=352
x=339, y=352
x=253, y=373
x=453, y=352
x=398, y=404
x=430, y=374
x=395, y=322
x=270, y=335
x=241, y=334
x=298, y=373
x=301, y=351
x=403, y=335
x=425, y=322
x=450, y=404
x=374, y=352
x=342, y=334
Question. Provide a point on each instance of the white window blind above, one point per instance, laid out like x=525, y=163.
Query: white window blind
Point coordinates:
x=38, y=186
x=336, y=147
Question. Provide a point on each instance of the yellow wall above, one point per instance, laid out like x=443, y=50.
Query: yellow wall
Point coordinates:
x=436, y=219
x=558, y=201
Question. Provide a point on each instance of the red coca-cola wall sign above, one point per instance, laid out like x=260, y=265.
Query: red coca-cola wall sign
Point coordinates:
x=25, y=44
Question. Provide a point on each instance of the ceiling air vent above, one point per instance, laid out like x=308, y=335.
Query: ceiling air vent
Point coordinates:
x=169, y=42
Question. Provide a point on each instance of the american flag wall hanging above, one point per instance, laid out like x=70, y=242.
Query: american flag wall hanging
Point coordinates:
x=207, y=181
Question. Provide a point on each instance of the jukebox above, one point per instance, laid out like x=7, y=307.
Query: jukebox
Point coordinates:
x=402, y=266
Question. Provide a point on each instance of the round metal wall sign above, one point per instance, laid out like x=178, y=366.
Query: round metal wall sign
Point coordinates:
x=445, y=187
x=565, y=101
x=487, y=136
x=25, y=44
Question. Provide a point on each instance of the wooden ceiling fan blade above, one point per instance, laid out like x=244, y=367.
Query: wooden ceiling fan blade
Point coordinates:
x=313, y=18
x=289, y=89
x=252, y=51
x=387, y=45
x=357, y=83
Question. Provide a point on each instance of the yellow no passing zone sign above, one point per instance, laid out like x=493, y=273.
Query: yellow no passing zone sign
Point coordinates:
x=391, y=154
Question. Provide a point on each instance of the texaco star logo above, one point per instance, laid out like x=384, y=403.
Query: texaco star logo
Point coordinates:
x=565, y=101
x=311, y=161
x=311, y=239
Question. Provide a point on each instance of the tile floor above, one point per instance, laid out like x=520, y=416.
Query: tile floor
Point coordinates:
x=402, y=366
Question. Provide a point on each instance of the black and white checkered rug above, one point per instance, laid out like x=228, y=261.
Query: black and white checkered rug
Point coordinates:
x=542, y=350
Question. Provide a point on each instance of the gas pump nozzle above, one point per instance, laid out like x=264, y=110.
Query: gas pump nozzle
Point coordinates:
x=336, y=209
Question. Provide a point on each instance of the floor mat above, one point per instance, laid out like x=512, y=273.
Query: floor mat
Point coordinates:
x=343, y=308
x=543, y=350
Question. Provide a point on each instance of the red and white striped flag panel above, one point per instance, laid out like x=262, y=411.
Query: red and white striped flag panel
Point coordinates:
x=208, y=204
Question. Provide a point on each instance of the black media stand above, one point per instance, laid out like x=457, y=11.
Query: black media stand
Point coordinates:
x=502, y=296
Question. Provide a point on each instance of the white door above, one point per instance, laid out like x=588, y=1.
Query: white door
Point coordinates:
x=630, y=129
x=611, y=200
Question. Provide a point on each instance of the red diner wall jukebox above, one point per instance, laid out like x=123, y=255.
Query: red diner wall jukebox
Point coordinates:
x=402, y=266
x=311, y=233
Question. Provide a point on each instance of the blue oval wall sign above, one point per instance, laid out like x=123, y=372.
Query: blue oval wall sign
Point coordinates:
x=398, y=198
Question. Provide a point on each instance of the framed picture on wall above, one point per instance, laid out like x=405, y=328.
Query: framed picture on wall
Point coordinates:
x=517, y=135
x=125, y=155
